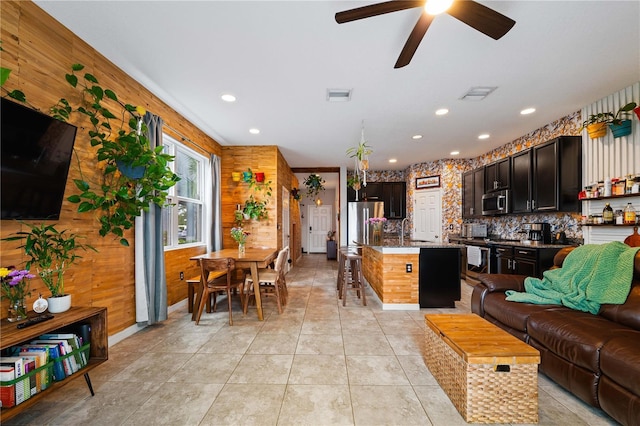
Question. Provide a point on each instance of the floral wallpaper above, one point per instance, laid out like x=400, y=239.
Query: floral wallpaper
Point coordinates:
x=450, y=171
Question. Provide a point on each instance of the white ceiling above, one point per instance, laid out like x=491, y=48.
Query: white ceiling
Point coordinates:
x=279, y=58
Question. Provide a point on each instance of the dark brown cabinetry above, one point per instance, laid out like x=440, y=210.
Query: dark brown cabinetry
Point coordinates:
x=472, y=191
x=497, y=175
x=531, y=262
x=394, y=195
x=547, y=177
x=521, y=182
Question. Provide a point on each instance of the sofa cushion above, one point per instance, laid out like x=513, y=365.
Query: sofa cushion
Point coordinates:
x=573, y=335
x=620, y=360
x=502, y=282
x=629, y=312
x=512, y=314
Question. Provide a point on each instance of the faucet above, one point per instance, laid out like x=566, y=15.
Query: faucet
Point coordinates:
x=402, y=231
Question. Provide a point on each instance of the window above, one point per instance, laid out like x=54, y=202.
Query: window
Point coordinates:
x=183, y=219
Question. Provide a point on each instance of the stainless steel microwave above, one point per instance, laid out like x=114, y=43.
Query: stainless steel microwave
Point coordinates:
x=495, y=203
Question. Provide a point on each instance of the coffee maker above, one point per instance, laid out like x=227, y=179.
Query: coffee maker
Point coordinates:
x=539, y=232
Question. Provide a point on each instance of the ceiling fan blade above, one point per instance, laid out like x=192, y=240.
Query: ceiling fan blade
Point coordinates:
x=375, y=10
x=480, y=17
x=414, y=40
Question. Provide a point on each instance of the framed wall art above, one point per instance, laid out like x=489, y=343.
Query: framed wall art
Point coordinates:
x=428, y=182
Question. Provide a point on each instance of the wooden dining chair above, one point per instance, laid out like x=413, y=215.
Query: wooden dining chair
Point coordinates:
x=271, y=284
x=219, y=277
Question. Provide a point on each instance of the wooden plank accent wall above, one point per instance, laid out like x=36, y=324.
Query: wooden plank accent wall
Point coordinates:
x=387, y=276
x=39, y=51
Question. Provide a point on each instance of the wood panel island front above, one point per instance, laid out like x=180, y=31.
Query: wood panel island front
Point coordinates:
x=413, y=275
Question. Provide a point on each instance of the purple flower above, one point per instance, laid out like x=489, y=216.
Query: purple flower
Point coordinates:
x=18, y=275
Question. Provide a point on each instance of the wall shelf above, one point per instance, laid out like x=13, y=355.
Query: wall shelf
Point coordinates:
x=613, y=197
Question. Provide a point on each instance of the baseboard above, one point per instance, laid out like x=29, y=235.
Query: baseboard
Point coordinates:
x=131, y=330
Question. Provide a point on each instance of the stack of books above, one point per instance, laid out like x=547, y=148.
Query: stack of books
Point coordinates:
x=30, y=368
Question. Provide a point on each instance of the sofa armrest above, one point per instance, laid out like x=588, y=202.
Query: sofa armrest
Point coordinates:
x=502, y=282
x=490, y=283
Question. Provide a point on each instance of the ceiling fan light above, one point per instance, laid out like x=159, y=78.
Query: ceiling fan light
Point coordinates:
x=436, y=7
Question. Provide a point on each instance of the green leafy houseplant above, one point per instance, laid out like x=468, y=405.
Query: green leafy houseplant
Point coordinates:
x=4, y=76
x=120, y=136
x=353, y=181
x=314, y=184
x=255, y=209
x=52, y=252
x=624, y=113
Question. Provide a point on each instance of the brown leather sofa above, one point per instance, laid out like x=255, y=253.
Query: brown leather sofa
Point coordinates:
x=596, y=357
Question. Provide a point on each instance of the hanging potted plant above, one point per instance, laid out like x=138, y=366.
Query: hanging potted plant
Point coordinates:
x=295, y=193
x=134, y=175
x=620, y=124
x=353, y=182
x=596, y=124
x=361, y=154
x=51, y=252
x=254, y=209
x=314, y=184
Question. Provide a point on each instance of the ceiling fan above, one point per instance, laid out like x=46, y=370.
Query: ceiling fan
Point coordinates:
x=483, y=19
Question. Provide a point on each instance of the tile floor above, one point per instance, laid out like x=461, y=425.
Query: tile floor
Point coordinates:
x=316, y=364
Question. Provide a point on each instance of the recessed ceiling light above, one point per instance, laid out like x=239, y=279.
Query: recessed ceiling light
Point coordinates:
x=484, y=136
x=228, y=97
x=442, y=111
x=454, y=152
x=393, y=160
x=416, y=137
x=527, y=111
x=254, y=131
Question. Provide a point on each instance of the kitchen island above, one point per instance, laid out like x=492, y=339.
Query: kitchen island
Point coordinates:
x=409, y=275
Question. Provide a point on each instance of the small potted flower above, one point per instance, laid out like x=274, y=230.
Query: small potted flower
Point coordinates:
x=15, y=288
x=377, y=223
x=240, y=237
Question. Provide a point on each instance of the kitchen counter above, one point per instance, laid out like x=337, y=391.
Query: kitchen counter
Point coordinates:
x=408, y=246
x=488, y=242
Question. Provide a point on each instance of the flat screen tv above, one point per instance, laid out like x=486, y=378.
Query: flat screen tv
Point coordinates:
x=35, y=156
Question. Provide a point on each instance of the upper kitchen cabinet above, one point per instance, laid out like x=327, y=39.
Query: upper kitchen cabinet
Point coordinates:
x=394, y=196
x=547, y=177
x=497, y=175
x=521, y=182
x=557, y=175
x=472, y=191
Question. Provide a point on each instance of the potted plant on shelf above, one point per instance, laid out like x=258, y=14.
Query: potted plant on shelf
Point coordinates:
x=620, y=124
x=314, y=184
x=15, y=288
x=134, y=175
x=52, y=252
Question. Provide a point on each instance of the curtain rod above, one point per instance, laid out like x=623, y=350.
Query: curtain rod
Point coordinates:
x=184, y=137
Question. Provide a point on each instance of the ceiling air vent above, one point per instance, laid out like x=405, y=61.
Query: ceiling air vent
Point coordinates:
x=338, y=95
x=477, y=93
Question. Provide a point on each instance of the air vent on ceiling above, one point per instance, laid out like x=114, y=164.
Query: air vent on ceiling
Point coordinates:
x=477, y=93
x=338, y=95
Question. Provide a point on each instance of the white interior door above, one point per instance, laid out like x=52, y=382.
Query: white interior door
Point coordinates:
x=286, y=226
x=319, y=224
x=427, y=216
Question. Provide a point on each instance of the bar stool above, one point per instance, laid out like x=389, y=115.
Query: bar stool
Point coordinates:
x=353, y=277
x=343, y=265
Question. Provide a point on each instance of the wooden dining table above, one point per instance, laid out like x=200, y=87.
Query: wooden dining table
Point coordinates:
x=253, y=258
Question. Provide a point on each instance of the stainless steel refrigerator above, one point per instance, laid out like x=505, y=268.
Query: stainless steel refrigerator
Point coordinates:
x=357, y=214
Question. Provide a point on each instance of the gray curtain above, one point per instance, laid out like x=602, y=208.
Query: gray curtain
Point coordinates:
x=216, y=204
x=150, y=272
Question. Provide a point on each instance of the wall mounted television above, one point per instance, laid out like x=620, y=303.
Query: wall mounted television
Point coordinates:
x=35, y=156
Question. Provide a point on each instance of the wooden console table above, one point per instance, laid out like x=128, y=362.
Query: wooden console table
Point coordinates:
x=99, y=351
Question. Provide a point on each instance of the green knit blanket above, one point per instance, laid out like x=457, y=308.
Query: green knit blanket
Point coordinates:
x=591, y=275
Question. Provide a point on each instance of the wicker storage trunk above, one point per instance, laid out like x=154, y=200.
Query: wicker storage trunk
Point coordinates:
x=489, y=375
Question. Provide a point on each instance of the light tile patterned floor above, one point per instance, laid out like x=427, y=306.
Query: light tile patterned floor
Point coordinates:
x=316, y=364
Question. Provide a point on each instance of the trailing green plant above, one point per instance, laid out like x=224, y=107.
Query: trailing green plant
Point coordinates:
x=255, y=209
x=52, y=252
x=314, y=184
x=264, y=187
x=354, y=182
x=601, y=117
x=120, y=135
